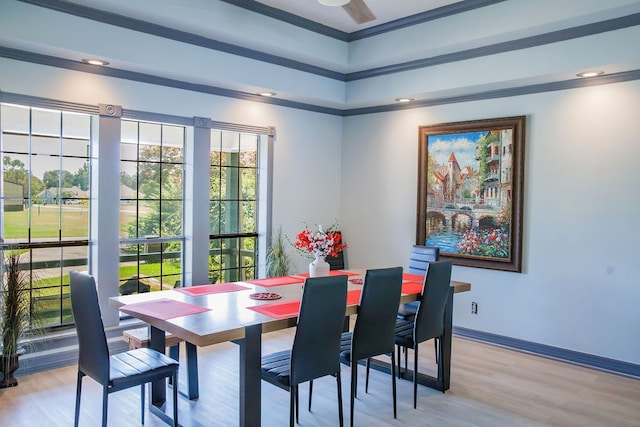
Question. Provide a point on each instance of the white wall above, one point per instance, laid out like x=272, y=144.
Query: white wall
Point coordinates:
x=579, y=287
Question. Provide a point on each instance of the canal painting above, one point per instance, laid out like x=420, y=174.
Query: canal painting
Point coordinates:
x=470, y=182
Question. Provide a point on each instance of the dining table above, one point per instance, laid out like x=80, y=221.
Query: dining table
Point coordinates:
x=241, y=312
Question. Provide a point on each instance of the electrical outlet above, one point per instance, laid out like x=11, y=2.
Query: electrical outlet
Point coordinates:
x=474, y=308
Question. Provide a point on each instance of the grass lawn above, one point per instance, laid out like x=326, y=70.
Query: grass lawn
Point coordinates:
x=46, y=219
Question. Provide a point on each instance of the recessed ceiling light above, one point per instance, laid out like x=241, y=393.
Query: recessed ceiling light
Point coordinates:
x=267, y=93
x=95, y=61
x=590, y=73
x=404, y=99
x=333, y=2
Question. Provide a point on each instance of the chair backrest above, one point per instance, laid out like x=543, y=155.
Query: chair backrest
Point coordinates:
x=93, y=357
x=316, y=345
x=429, y=321
x=374, y=331
x=420, y=258
x=336, y=262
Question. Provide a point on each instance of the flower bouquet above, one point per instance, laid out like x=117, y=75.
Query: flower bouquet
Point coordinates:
x=319, y=244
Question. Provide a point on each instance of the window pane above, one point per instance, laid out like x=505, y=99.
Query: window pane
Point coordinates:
x=45, y=122
x=248, y=216
x=171, y=181
x=14, y=118
x=171, y=218
x=149, y=180
x=148, y=219
x=15, y=143
x=128, y=215
x=45, y=222
x=248, y=150
x=75, y=147
x=248, y=184
x=75, y=219
x=215, y=216
x=129, y=135
x=46, y=145
x=76, y=125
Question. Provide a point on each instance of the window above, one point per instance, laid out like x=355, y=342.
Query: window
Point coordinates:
x=151, y=206
x=233, y=206
x=45, y=201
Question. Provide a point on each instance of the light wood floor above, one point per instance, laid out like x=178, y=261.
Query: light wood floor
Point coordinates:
x=490, y=386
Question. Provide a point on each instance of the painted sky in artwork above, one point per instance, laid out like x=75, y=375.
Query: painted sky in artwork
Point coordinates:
x=462, y=144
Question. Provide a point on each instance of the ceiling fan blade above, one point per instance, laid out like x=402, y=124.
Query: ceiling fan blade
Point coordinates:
x=359, y=11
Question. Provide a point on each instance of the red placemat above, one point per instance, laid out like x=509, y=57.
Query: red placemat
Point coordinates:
x=335, y=273
x=275, y=281
x=412, y=277
x=412, y=288
x=194, y=291
x=279, y=310
x=353, y=297
x=163, y=308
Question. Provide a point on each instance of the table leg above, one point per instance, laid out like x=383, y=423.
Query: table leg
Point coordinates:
x=192, y=371
x=159, y=387
x=444, y=367
x=250, y=376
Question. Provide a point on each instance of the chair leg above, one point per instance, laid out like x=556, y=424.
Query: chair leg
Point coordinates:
x=105, y=404
x=297, y=406
x=142, y=403
x=310, y=393
x=406, y=355
x=78, y=393
x=366, y=382
x=354, y=388
x=339, y=383
x=175, y=399
x=399, y=364
x=415, y=376
x=393, y=384
x=435, y=345
x=174, y=353
x=292, y=405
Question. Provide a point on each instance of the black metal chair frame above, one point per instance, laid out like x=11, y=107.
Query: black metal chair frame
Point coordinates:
x=374, y=331
x=117, y=372
x=316, y=346
x=429, y=321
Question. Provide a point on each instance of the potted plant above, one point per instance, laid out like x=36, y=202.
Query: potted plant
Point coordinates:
x=277, y=258
x=15, y=319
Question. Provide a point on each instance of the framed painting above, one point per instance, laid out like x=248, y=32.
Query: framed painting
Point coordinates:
x=470, y=191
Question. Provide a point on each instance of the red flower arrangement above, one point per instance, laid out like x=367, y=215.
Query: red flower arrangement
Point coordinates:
x=321, y=243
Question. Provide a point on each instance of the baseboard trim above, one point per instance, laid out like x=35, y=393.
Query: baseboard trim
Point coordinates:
x=570, y=356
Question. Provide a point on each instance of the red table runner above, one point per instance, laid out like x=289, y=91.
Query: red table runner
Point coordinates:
x=194, y=291
x=275, y=281
x=412, y=277
x=353, y=297
x=283, y=310
x=335, y=273
x=412, y=288
x=163, y=308
x=279, y=310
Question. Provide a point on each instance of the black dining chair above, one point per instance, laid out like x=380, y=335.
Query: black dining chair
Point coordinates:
x=428, y=322
x=336, y=262
x=419, y=259
x=316, y=346
x=374, y=330
x=117, y=372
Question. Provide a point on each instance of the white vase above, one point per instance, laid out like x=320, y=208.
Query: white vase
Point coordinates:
x=319, y=267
